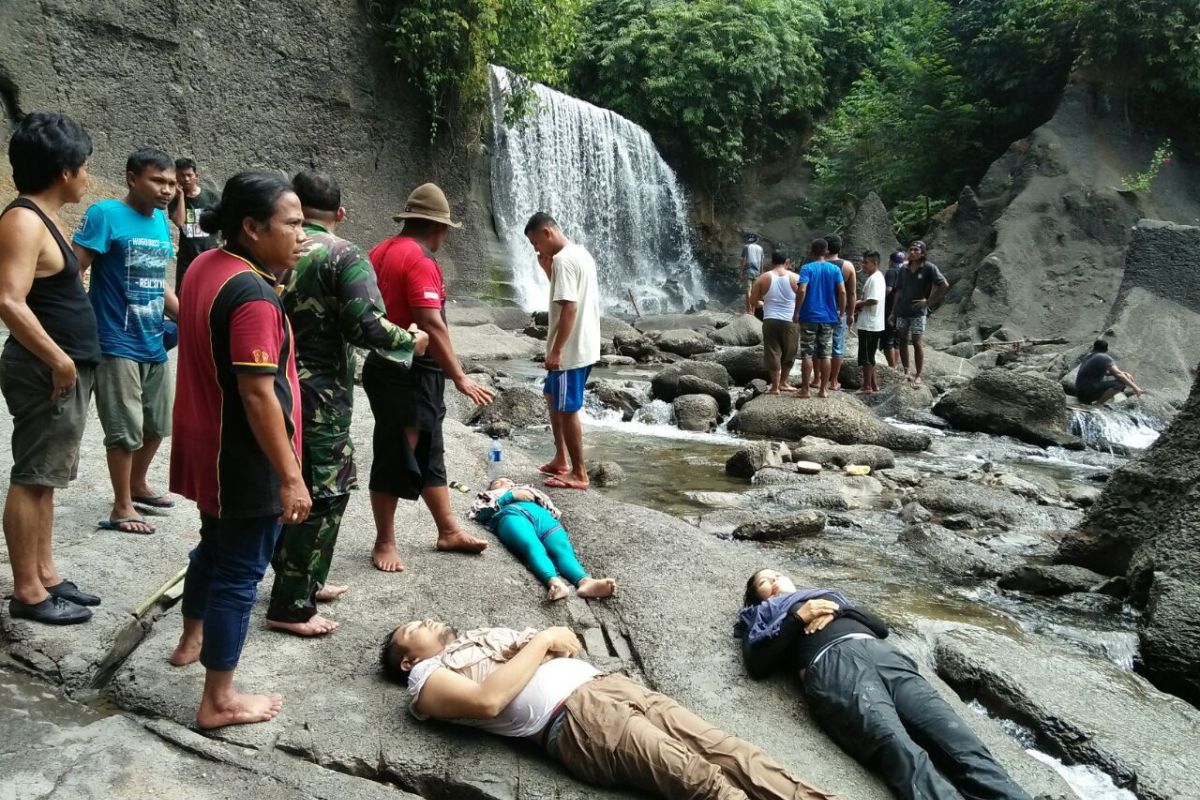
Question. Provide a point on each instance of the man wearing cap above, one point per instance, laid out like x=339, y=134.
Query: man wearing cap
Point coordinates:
x=408, y=402
x=919, y=286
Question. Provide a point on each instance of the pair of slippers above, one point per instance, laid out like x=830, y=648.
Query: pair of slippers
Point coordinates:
x=137, y=524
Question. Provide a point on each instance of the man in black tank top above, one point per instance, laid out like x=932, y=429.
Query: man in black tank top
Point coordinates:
x=47, y=362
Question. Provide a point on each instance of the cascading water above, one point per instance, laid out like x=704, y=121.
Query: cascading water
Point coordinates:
x=602, y=179
x=1115, y=428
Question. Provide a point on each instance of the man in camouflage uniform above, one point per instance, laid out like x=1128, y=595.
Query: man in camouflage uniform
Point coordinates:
x=333, y=301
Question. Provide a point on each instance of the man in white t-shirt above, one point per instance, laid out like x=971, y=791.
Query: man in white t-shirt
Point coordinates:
x=603, y=729
x=870, y=320
x=572, y=345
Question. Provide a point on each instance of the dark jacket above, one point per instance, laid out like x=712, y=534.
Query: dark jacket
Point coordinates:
x=793, y=649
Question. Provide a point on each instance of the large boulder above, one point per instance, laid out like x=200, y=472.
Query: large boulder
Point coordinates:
x=618, y=396
x=790, y=526
x=610, y=327
x=696, y=412
x=839, y=455
x=665, y=385
x=685, y=343
x=744, y=331
x=1051, y=579
x=744, y=364
x=671, y=322
x=518, y=406
x=694, y=384
x=1028, y=407
x=505, y=317
x=840, y=417
x=754, y=456
x=635, y=345
x=1146, y=525
x=488, y=342
x=957, y=555
x=871, y=229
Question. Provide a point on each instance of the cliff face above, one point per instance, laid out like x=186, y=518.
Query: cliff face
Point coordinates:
x=281, y=85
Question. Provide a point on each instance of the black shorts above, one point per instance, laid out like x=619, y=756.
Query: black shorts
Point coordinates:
x=868, y=343
x=401, y=400
x=1090, y=393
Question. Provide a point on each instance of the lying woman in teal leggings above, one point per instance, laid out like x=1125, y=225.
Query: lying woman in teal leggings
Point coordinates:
x=535, y=536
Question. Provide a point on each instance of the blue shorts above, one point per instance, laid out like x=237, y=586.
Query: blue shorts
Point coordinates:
x=839, y=338
x=565, y=388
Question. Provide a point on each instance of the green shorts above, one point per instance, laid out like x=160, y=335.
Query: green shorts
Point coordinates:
x=816, y=339
x=46, y=431
x=133, y=401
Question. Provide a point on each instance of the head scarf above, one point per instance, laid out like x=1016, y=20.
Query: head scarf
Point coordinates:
x=765, y=620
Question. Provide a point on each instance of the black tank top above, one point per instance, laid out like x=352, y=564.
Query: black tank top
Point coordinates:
x=60, y=302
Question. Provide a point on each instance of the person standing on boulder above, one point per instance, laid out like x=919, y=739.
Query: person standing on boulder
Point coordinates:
x=820, y=301
x=408, y=402
x=890, y=342
x=1099, y=379
x=572, y=344
x=127, y=244
x=48, y=360
x=185, y=210
x=750, y=267
x=919, y=287
x=833, y=254
x=334, y=305
x=776, y=290
x=870, y=320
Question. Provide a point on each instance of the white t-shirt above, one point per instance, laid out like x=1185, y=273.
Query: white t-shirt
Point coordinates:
x=870, y=318
x=573, y=280
x=530, y=710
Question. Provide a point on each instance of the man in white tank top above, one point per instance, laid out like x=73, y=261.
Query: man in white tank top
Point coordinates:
x=776, y=290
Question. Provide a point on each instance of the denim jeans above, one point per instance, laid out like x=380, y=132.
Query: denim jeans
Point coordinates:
x=222, y=580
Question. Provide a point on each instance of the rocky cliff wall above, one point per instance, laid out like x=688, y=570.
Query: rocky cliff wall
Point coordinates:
x=282, y=85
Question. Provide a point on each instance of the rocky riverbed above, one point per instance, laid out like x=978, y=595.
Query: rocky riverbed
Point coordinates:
x=952, y=542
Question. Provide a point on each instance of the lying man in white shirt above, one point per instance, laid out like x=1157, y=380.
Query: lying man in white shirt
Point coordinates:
x=604, y=729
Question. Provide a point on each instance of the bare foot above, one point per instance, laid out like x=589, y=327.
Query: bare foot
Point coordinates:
x=459, y=542
x=331, y=591
x=238, y=709
x=822, y=393
x=771, y=391
x=863, y=391
x=316, y=626
x=917, y=380
x=557, y=589
x=386, y=559
x=837, y=387
x=803, y=393
x=186, y=652
x=596, y=588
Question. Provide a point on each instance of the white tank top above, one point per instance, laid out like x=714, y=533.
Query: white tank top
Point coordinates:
x=780, y=300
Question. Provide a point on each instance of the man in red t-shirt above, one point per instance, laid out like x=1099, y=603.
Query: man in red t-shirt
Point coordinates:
x=408, y=402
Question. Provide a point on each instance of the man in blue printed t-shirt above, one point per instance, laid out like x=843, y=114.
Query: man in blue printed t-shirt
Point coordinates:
x=127, y=245
x=820, y=303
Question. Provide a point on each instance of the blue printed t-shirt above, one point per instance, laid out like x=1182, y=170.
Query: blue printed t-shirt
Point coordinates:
x=128, y=276
x=820, y=299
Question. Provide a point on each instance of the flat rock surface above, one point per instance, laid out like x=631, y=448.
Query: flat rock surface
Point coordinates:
x=488, y=341
x=1093, y=711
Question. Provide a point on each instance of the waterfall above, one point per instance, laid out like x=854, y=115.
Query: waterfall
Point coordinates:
x=1115, y=429
x=602, y=179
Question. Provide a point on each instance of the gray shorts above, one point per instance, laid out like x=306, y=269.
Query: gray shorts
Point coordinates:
x=133, y=401
x=910, y=326
x=46, y=431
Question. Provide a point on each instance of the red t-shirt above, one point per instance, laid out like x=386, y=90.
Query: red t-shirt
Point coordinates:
x=230, y=322
x=409, y=278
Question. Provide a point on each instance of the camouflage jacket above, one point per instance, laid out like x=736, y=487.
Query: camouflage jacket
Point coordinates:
x=334, y=303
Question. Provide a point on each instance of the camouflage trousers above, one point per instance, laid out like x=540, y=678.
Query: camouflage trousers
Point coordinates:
x=302, y=558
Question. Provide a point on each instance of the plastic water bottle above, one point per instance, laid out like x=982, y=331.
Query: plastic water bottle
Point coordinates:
x=495, y=459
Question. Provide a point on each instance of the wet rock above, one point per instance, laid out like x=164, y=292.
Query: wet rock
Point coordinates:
x=902, y=476
x=539, y=332
x=754, y=456
x=791, y=526
x=488, y=342
x=960, y=522
x=956, y=555
x=840, y=417
x=694, y=384
x=610, y=327
x=952, y=497
x=543, y=318
x=670, y=322
x=839, y=455
x=1051, y=579
x=685, y=343
x=497, y=430
x=696, y=412
x=1019, y=486
x=784, y=487
x=635, y=345
x=608, y=361
x=515, y=405
x=1027, y=407
x=617, y=396
x=1083, y=496
x=606, y=473
x=744, y=331
x=1093, y=711
x=744, y=364
x=913, y=513
x=665, y=385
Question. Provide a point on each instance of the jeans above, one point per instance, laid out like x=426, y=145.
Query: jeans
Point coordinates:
x=222, y=581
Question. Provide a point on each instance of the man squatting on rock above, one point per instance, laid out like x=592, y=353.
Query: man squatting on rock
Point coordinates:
x=920, y=285
x=603, y=729
x=868, y=696
x=334, y=305
x=49, y=358
x=408, y=402
x=1100, y=379
x=572, y=344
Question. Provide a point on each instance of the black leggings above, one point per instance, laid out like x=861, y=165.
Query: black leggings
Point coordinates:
x=868, y=343
x=873, y=702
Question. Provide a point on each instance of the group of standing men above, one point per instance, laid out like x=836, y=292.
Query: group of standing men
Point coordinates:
x=809, y=312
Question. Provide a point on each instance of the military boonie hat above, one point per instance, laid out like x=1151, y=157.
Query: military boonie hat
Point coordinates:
x=427, y=201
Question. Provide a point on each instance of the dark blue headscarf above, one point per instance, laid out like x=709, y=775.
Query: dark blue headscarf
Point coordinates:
x=764, y=621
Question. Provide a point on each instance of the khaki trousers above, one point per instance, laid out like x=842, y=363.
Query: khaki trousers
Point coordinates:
x=617, y=733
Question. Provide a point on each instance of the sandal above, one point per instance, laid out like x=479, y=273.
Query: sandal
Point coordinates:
x=125, y=525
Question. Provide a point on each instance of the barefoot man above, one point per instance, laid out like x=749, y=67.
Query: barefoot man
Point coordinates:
x=919, y=287
x=408, y=402
x=334, y=304
x=572, y=345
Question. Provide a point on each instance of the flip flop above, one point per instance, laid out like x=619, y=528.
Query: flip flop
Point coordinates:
x=122, y=525
x=560, y=483
x=542, y=469
x=161, y=501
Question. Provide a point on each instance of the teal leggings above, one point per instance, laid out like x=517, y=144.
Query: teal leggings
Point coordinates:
x=536, y=537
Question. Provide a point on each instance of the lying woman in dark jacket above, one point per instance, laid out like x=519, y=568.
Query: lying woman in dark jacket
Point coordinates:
x=867, y=696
